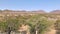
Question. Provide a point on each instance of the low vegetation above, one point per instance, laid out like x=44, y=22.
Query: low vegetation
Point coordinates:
x=38, y=23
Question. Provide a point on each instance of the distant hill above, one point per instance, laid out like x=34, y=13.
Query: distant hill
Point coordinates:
x=55, y=12
x=28, y=12
x=22, y=12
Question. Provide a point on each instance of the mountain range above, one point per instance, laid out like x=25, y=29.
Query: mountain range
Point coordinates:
x=29, y=12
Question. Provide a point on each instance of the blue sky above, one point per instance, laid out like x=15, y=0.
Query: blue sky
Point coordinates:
x=47, y=5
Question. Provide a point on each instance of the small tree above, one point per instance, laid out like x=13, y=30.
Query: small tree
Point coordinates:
x=10, y=24
x=57, y=26
x=39, y=24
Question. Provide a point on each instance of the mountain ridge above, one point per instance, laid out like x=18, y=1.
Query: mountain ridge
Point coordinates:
x=35, y=11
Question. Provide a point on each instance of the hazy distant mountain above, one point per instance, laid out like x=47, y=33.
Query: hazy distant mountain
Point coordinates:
x=55, y=12
x=24, y=12
x=38, y=11
x=28, y=12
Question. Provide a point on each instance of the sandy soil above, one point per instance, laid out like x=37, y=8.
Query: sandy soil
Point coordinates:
x=51, y=32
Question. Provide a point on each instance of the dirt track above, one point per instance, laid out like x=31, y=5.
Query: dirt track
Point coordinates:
x=52, y=31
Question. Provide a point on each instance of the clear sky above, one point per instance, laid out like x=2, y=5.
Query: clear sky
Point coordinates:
x=47, y=5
